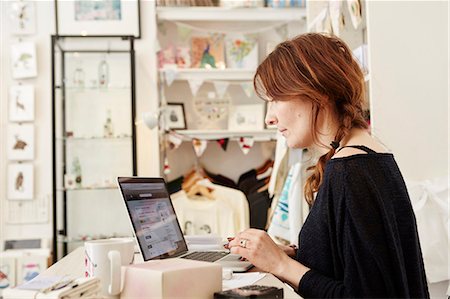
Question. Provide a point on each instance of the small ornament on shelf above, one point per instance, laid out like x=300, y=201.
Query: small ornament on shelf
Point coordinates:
x=76, y=171
x=103, y=74
x=166, y=168
x=78, y=77
x=108, y=126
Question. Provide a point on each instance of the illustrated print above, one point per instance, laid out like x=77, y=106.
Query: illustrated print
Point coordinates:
x=173, y=116
x=23, y=57
x=4, y=282
x=21, y=103
x=20, y=181
x=22, y=17
x=20, y=142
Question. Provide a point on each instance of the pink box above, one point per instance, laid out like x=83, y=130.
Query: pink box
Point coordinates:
x=172, y=278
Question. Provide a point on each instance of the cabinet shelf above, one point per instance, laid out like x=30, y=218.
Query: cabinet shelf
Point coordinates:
x=265, y=14
x=88, y=188
x=214, y=74
x=95, y=138
x=261, y=135
x=101, y=89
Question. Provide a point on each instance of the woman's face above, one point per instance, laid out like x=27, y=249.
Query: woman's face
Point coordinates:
x=293, y=119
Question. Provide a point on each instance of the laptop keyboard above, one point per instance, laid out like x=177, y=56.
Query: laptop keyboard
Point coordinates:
x=206, y=256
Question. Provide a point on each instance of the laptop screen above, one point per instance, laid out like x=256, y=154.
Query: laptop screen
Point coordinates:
x=153, y=217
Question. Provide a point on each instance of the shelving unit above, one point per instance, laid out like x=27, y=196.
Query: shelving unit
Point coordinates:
x=270, y=26
x=92, y=76
x=213, y=74
x=265, y=14
x=264, y=135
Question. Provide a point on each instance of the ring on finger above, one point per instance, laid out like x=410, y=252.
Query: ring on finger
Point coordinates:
x=243, y=243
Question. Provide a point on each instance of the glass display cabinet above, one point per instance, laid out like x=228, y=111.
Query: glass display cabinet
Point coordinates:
x=93, y=113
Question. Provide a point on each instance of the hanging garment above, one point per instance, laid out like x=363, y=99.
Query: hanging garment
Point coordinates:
x=430, y=200
x=225, y=215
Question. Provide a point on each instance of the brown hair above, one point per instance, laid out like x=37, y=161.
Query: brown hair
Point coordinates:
x=319, y=68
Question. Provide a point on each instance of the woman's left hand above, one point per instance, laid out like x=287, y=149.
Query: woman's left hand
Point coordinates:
x=256, y=246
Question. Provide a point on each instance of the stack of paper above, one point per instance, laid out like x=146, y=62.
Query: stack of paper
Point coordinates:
x=55, y=287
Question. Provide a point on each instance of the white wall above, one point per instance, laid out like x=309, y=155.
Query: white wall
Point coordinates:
x=146, y=95
x=408, y=50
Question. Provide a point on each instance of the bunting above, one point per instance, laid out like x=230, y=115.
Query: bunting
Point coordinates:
x=282, y=31
x=195, y=85
x=247, y=87
x=221, y=87
x=170, y=73
x=174, y=141
x=183, y=31
x=354, y=8
x=199, y=146
x=223, y=143
x=246, y=143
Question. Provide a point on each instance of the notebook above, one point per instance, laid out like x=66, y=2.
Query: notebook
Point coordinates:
x=156, y=226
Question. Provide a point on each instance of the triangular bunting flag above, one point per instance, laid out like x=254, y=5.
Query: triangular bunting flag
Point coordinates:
x=166, y=167
x=246, y=143
x=334, y=7
x=247, y=87
x=354, y=8
x=282, y=31
x=183, y=31
x=221, y=88
x=174, y=141
x=195, y=84
x=170, y=73
x=223, y=143
x=199, y=146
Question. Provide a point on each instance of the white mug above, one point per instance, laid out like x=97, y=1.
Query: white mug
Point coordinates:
x=104, y=258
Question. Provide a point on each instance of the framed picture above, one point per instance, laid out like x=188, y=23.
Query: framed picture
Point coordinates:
x=100, y=17
x=23, y=60
x=30, y=266
x=20, y=181
x=22, y=17
x=241, y=51
x=208, y=52
x=174, y=116
x=246, y=118
x=21, y=103
x=7, y=272
x=20, y=142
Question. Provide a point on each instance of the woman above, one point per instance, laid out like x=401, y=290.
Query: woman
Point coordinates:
x=360, y=238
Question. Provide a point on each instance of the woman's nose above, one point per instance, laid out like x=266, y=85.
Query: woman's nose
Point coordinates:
x=271, y=120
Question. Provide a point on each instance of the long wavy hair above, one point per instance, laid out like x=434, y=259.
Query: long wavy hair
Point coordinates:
x=319, y=68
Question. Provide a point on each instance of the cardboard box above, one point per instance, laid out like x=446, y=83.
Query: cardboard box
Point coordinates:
x=172, y=278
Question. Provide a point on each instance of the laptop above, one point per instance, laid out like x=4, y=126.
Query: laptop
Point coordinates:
x=156, y=225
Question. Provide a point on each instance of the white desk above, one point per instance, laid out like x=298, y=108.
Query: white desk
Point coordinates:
x=73, y=264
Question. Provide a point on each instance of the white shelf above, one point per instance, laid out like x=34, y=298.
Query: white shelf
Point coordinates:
x=261, y=135
x=265, y=14
x=214, y=74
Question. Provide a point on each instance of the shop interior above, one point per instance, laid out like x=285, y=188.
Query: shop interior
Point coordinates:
x=96, y=90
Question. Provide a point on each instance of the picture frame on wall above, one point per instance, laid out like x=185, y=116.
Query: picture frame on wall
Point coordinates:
x=20, y=181
x=98, y=18
x=20, y=142
x=21, y=103
x=23, y=60
x=246, y=118
x=174, y=116
x=30, y=266
x=22, y=17
x=7, y=272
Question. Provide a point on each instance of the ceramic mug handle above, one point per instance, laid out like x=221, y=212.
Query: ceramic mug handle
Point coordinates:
x=114, y=286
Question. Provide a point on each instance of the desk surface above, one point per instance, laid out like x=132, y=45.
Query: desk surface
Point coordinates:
x=73, y=264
